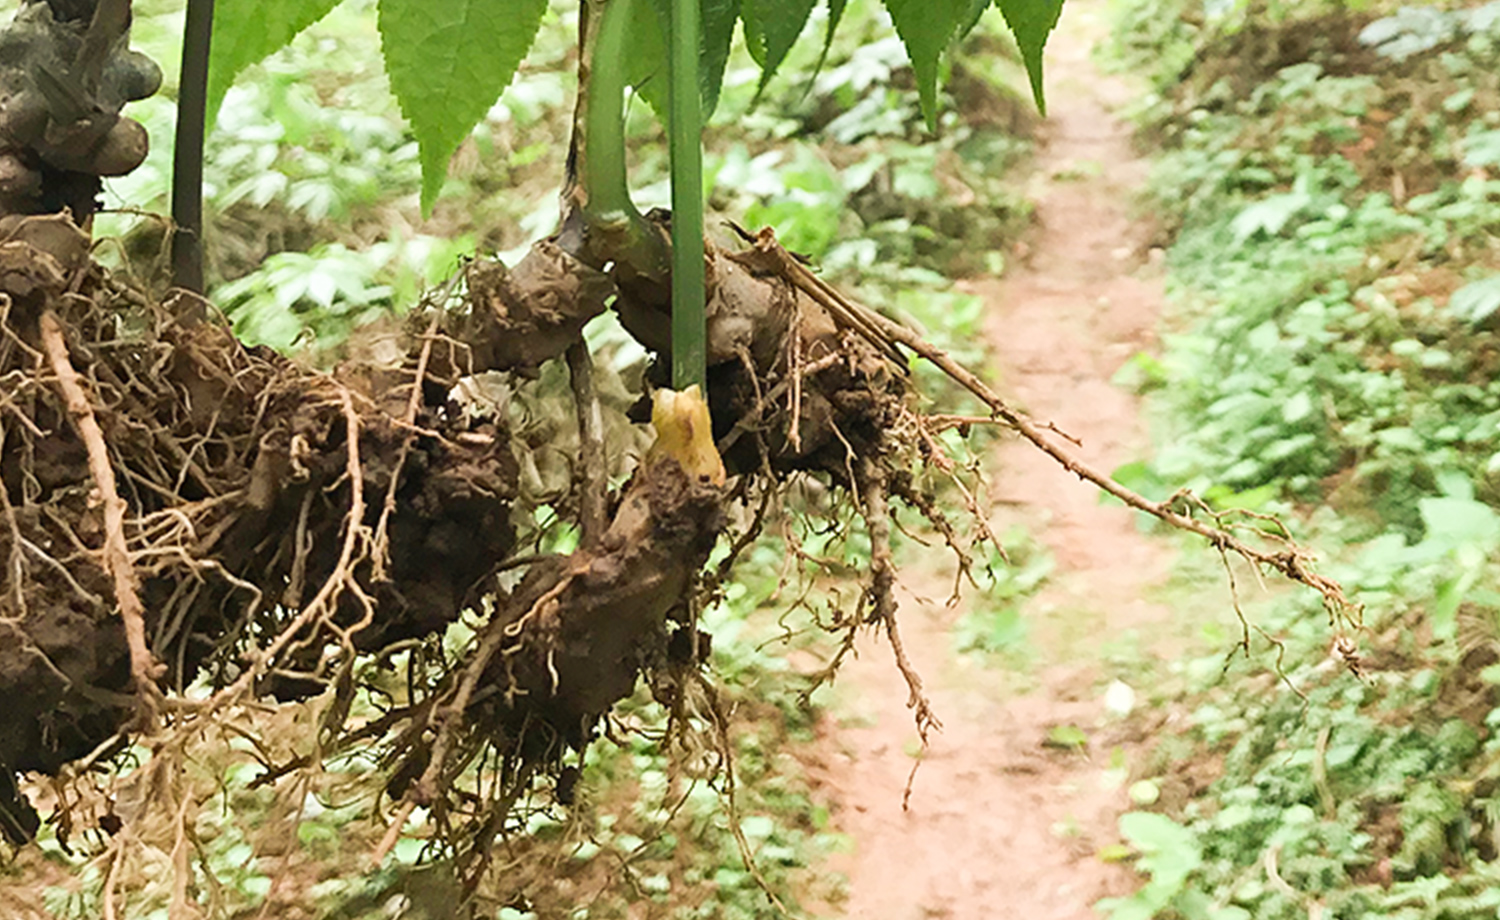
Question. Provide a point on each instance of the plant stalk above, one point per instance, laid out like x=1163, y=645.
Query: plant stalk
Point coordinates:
x=604, y=177
x=613, y=230
x=187, y=151
x=689, y=330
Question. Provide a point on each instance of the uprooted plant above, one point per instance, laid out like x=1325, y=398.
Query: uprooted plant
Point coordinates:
x=190, y=525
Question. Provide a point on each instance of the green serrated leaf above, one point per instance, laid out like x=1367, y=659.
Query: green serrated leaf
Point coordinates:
x=648, y=43
x=449, y=61
x=771, y=28
x=646, y=70
x=249, y=31
x=1031, y=21
x=719, y=18
x=971, y=19
x=835, y=16
x=927, y=27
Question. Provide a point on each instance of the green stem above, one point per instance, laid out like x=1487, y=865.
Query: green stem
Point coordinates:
x=614, y=231
x=604, y=127
x=689, y=330
x=187, y=155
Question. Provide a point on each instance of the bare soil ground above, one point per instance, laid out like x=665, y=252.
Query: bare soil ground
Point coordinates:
x=1001, y=825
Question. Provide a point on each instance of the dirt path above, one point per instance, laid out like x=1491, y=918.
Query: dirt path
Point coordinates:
x=1001, y=825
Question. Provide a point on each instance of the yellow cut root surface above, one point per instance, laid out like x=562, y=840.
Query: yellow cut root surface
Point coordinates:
x=685, y=433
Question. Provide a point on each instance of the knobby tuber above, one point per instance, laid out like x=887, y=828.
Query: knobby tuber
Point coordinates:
x=66, y=71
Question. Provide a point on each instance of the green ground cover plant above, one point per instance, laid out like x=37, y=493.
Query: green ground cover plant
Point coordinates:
x=1326, y=182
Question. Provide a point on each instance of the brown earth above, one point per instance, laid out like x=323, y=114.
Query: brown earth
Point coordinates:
x=1001, y=825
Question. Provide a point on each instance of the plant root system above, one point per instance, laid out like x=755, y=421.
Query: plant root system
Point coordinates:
x=172, y=497
x=188, y=525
